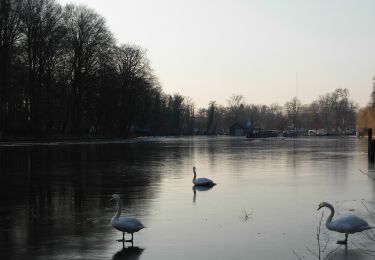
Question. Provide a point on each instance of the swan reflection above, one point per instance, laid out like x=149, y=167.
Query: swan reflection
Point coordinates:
x=128, y=253
x=199, y=188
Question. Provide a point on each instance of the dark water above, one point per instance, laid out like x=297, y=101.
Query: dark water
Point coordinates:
x=55, y=198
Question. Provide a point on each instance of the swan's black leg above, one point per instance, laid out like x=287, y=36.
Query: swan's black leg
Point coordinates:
x=343, y=242
x=123, y=238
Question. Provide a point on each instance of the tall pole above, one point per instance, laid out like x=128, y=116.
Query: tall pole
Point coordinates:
x=296, y=84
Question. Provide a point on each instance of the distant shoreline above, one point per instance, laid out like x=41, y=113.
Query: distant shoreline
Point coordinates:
x=8, y=139
x=103, y=138
x=76, y=138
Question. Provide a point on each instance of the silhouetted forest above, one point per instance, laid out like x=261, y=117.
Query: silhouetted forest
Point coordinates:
x=63, y=74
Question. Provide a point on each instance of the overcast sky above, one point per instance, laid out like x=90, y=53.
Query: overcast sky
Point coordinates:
x=267, y=50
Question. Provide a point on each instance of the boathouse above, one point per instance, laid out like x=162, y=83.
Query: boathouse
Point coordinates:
x=236, y=129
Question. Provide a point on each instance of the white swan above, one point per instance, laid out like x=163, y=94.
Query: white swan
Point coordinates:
x=202, y=181
x=124, y=224
x=348, y=224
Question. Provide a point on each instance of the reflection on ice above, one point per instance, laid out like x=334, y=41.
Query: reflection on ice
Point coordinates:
x=128, y=253
x=196, y=188
x=54, y=199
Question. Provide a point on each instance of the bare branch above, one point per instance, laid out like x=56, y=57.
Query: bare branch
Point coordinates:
x=296, y=255
x=368, y=175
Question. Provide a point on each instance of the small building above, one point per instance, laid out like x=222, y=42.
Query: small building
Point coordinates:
x=236, y=130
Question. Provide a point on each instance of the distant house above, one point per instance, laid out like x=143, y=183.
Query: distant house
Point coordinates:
x=236, y=129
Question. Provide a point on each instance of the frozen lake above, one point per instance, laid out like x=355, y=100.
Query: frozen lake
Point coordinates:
x=55, y=198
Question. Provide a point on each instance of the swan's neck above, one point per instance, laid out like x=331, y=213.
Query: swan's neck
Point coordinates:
x=330, y=217
x=195, y=174
x=118, y=213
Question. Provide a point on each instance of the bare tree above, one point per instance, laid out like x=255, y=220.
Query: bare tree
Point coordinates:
x=236, y=105
x=42, y=33
x=188, y=116
x=293, y=108
x=87, y=39
x=10, y=32
x=136, y=79
x=337, y=111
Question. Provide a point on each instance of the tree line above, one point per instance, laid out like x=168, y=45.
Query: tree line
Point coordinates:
x=62, y=73
x=335, y=112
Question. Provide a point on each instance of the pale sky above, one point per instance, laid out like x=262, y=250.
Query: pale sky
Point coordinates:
x=211, y=49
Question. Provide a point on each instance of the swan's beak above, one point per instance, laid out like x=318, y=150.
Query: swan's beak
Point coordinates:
x=319, y=208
